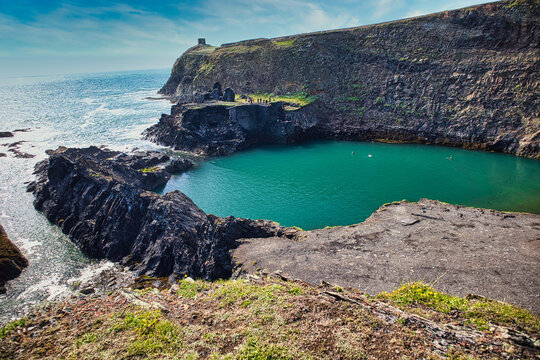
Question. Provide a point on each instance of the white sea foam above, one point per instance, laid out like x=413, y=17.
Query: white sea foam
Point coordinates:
x=50, y=286
x=102, y=109
x=30, y=246
x=89, y=101
x=93, y=112
x=90, y=272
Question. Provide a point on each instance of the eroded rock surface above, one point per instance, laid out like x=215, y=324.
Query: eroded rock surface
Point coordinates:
x=222, y=129
x=465, y=250
x=12, y=261
x=100, y=199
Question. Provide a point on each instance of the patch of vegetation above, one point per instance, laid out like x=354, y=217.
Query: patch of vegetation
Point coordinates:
x=531, y=5
x=256, y=349
x=239, y=49
x=207, y=68
x=263, y=318
x=151, y=169
x=190, y=289
x=242, y=292
x=154, y=335
x=285, y=43
x=479, y=311
x=300, y=98
x=12, y=326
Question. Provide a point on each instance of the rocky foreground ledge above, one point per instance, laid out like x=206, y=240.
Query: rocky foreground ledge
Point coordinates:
x=463, y=250
x=101, y=199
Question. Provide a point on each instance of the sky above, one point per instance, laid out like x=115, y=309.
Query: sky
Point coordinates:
x=49, y=37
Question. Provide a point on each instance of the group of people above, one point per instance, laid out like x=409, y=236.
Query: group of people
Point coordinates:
x=259, y=100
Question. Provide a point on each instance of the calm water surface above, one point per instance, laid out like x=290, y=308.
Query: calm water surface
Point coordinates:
x=337, y=183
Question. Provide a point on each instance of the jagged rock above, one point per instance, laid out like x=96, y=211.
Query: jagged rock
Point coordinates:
x=179, y=165
x=12, y=261
x=5, y=134
x=217, y=87
x=219, y=130
x=101, y=202
x=214, y=95
x=228, y=95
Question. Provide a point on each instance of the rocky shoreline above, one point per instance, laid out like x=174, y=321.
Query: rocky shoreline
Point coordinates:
x=101, y=199
x=213, y=129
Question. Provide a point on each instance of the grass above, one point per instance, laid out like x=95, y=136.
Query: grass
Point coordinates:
x=265, y=318
x=478, y=311
x=257, y=349
x=207, y=68
x=153, y=334
x=285, y=43
x=190, y=289
x=300, y=98
x=151, y=169
x=12, y=326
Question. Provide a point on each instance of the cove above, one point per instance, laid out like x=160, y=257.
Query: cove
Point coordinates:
x=329, y=183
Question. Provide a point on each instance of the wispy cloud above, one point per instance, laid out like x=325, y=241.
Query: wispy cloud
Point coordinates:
x=164, y=29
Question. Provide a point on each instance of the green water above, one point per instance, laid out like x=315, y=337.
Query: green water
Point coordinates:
x=322, y=184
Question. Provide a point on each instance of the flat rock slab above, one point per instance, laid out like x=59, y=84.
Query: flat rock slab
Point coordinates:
x=468, y=250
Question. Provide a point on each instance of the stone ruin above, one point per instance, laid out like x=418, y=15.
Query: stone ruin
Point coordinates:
x=216, y=94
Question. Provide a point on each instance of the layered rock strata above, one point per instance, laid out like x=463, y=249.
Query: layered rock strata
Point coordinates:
x=101, y=199
x=223, y=129
x=467, y=77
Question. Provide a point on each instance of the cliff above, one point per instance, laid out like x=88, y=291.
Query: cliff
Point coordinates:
x=467, y=77
x=214, y=129
x=12, y=261
x=100, y=198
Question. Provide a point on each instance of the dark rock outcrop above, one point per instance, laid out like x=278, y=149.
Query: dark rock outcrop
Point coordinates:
x=467, y=77
x=100, y=199
x=12, y=261
x=220, y=129
x=228, y=95
x=4, y=134
x=179, y=165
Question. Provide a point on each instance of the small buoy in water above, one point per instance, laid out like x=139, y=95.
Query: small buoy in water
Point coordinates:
x=450, y=158
x=370, y=155
x=352, y=152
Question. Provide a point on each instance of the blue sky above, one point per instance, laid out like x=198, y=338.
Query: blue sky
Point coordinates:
x=43, y=37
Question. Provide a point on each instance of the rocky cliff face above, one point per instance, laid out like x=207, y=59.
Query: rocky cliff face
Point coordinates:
x=222, y=129
x=12, y=262
x=467, y=77
x=100, y=198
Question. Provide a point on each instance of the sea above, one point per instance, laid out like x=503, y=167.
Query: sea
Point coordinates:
x=309, y=185
x=109, y=109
